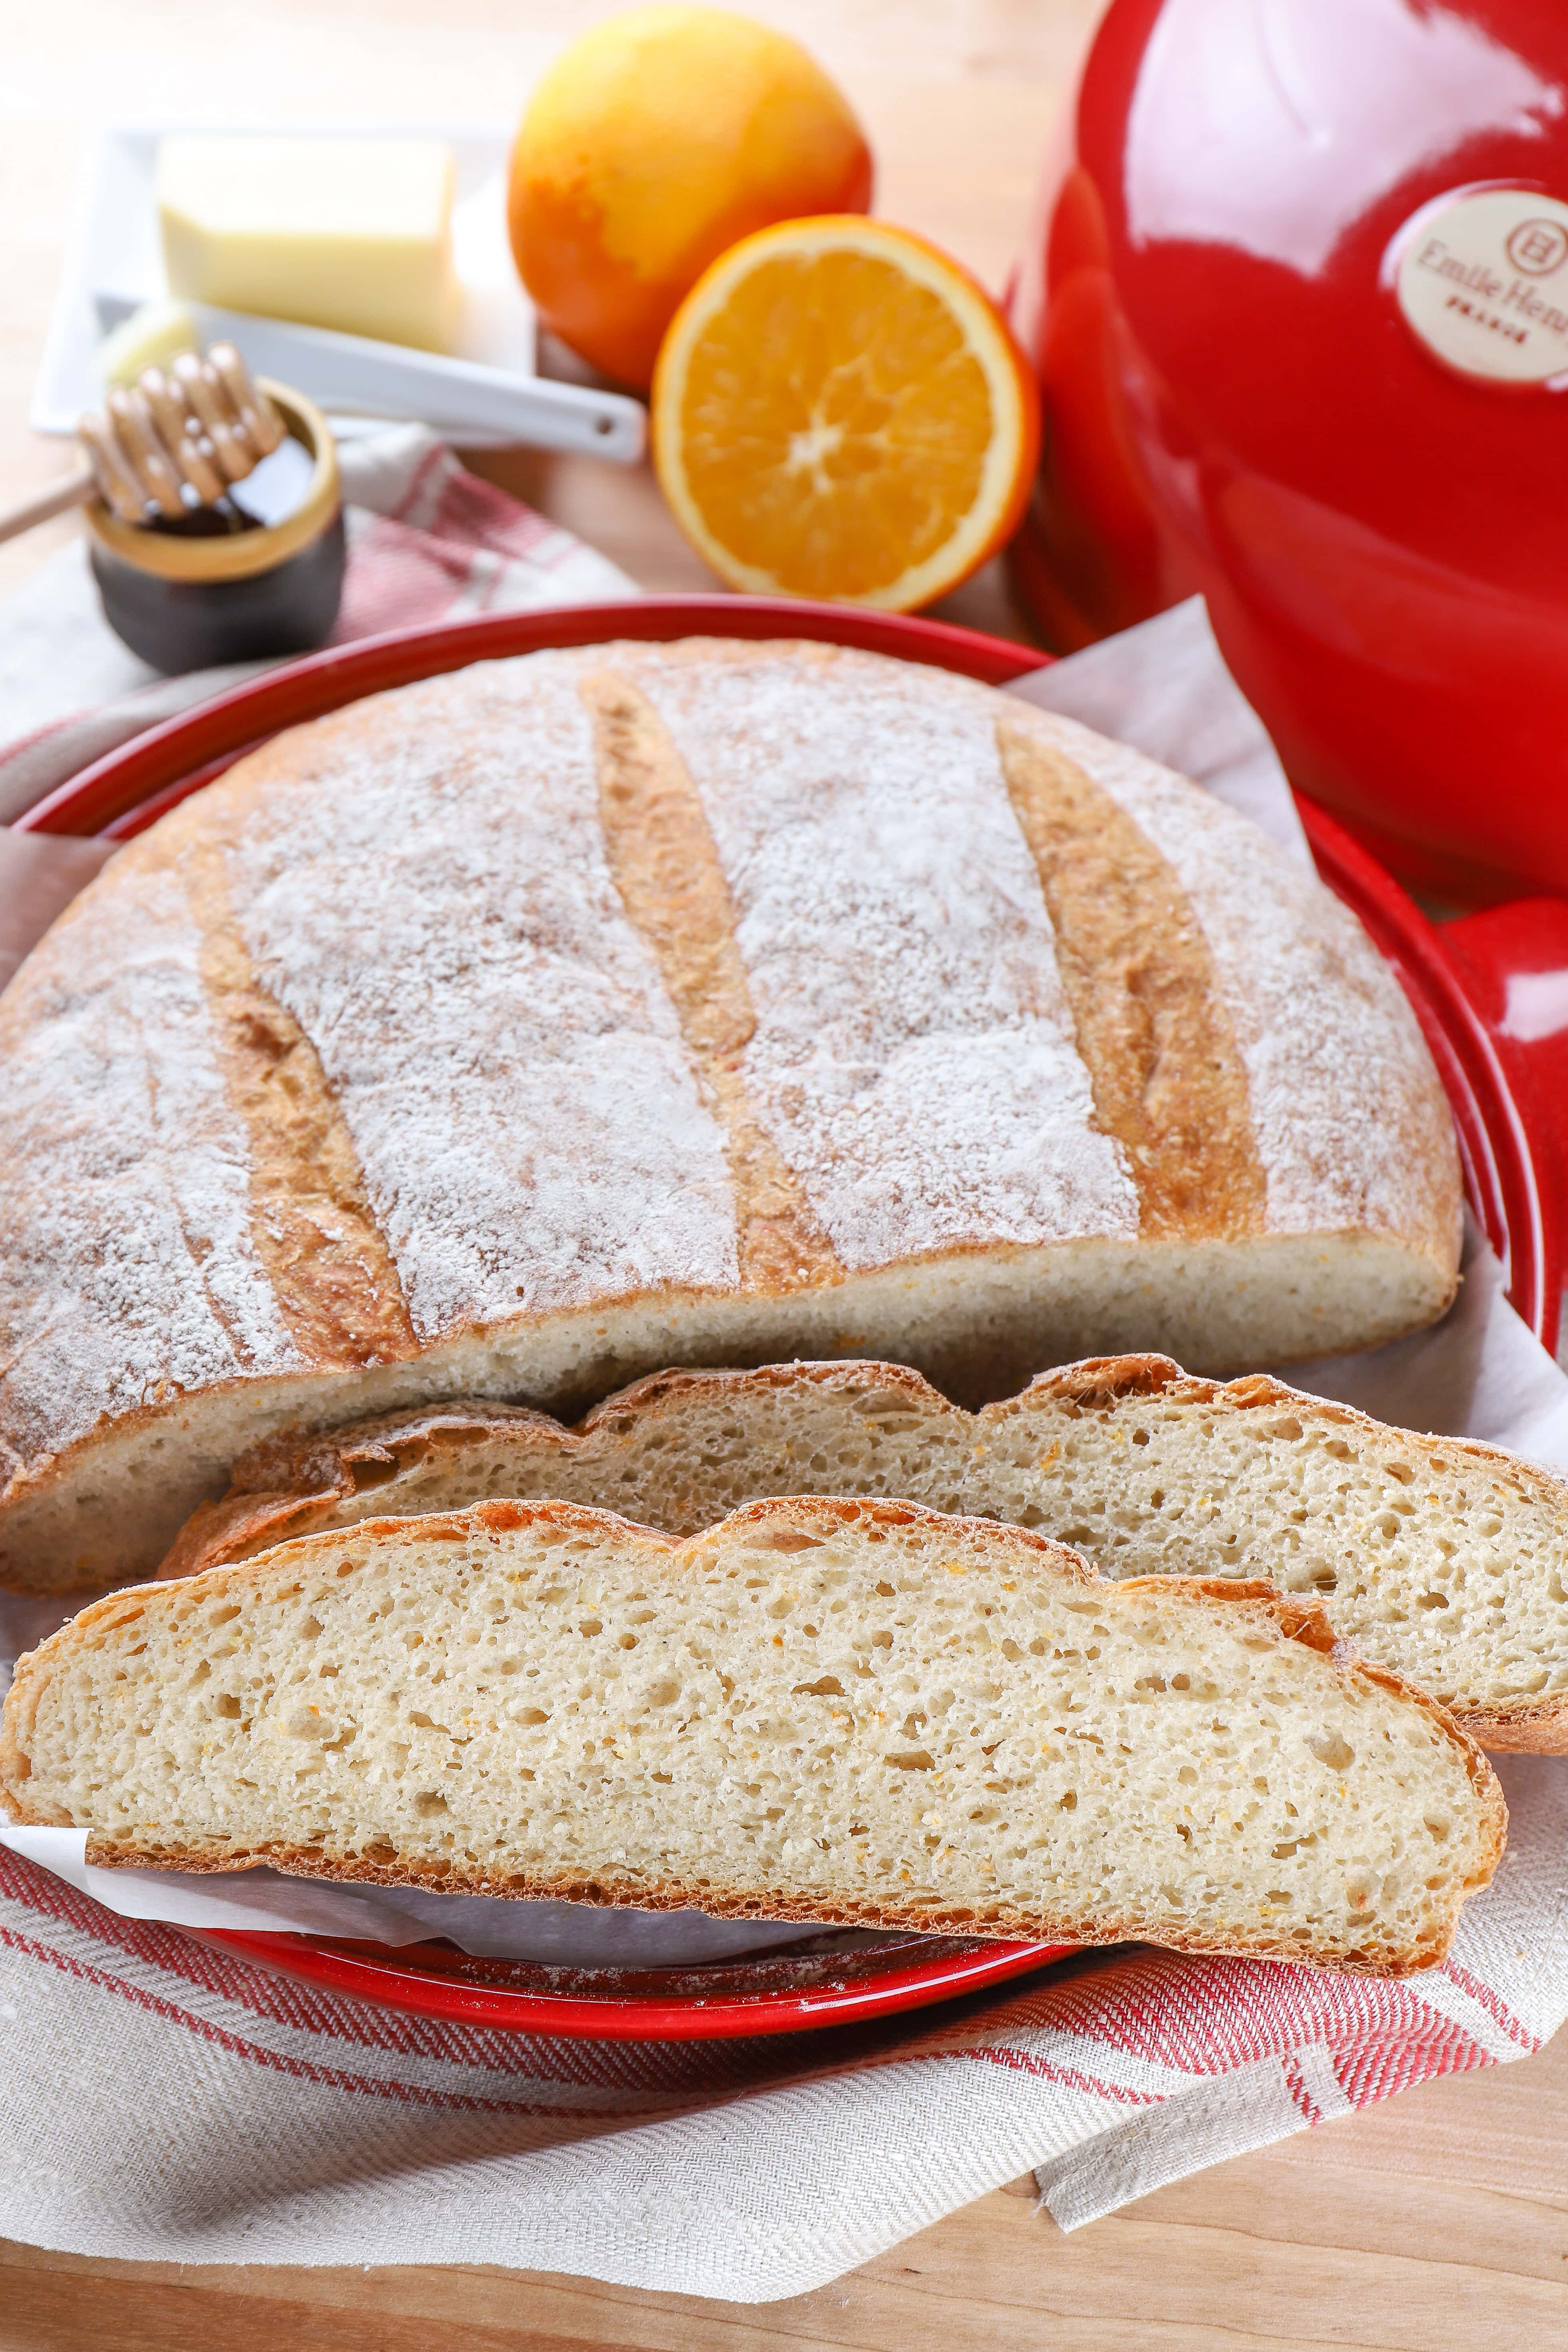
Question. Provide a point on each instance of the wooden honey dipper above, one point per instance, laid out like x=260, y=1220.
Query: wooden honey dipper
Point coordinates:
x=176, y=439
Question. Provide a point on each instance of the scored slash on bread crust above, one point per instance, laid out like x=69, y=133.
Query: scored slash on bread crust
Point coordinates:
x=1444, y=1558
x=853, y=1712
x=562, y=1018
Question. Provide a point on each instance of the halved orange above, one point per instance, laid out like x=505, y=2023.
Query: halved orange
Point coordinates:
x=840, y=410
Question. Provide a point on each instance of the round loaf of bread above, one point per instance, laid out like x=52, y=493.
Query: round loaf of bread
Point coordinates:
x=567, y=1017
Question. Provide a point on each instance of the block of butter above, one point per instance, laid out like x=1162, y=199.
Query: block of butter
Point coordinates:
x=354, y=234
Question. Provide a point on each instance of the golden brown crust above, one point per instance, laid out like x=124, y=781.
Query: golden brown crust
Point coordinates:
x=1098, y=1380
x=1154, y=1035
x=332, y=1277
x=1521, y=1727
x=285, y=1485
x=244, y=1523
x=671, y=1895
x=657, y=1390
x=662, y=859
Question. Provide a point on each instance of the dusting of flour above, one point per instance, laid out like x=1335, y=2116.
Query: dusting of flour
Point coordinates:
x=429, y=898
x=128, y=1264
x=1344, y=1098
x=914, y=1057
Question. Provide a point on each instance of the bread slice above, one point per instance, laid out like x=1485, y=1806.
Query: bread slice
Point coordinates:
x=1444, y=1559
x=853, y=1712
x=541, y=1025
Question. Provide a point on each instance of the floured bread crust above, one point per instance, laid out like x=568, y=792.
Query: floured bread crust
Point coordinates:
x=566, y=1017
x=1442, y=1559
x=850, y=1711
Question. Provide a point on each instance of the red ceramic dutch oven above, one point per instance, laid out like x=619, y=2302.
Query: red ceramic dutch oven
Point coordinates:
x=1491, y=994
x=1298, y=299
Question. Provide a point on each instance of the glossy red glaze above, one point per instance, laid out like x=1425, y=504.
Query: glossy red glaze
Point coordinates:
x=1236, y=405
x=1489, y=993
x=1499, y=1085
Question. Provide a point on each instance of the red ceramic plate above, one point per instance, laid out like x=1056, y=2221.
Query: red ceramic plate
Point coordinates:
x=1504, y=1072
x=823, y=1980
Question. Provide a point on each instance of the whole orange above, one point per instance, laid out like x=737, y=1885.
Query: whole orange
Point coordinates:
x=651, y=146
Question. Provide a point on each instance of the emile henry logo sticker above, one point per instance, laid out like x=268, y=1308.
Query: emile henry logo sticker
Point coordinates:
x=1483, y=279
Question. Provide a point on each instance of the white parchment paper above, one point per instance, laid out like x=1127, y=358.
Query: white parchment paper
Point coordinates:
x=1480, y=1372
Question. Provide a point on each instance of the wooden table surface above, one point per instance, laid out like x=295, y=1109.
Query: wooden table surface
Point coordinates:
x=1439, y=2218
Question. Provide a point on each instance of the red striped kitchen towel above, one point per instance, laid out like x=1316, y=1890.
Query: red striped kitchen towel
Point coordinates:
x=162, y=2100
